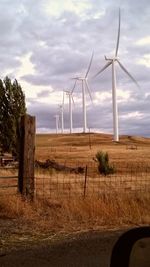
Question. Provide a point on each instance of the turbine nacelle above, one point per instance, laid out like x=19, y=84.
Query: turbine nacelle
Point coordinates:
x=67, y=92
x=111, y=59
x=79, y=78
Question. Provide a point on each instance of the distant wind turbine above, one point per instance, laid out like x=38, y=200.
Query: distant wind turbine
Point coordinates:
x=85, y=86
x=69, y=94
x=61, y=110
x=112, y=61
x=57, y=122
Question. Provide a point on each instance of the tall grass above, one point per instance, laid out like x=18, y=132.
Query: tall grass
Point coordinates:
x=78, y=213
x=93, y=212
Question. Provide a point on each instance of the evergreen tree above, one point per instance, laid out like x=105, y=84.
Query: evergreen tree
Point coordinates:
x=12, y=107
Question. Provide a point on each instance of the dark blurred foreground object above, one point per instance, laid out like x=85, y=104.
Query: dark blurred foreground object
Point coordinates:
x=122, y=251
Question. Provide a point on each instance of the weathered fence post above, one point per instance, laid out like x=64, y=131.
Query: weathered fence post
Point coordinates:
x=26, y=156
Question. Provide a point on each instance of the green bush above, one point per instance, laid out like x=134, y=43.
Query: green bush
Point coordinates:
x=103, y=163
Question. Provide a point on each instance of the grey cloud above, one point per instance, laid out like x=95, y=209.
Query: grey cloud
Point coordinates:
x=69, y=41
x=44, y=93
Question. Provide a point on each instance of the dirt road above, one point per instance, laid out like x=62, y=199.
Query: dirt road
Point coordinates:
x=91, y=249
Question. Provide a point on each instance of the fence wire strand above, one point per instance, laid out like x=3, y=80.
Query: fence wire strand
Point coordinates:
x=129, y=178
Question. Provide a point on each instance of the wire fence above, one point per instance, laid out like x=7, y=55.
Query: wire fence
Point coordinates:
x=81, y=180
x=8, y=180
x=129, y=178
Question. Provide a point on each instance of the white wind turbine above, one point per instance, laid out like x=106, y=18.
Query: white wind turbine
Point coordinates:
x=57, y=122
x=69, y=94
x=61, y=110
x=112, y=61
x=85, y=86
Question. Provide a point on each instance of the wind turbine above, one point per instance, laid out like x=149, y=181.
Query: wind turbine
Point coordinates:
x=61, y=110
x=112, y=61
x=57, y=122
x=85, y=86
x=69, y=94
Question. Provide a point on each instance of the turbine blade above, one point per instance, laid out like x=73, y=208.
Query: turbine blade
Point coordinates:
x=89, y=65
x=74, y=86
x=118, y=37
x=125, y=70
x=105, y=67
x=88, y=89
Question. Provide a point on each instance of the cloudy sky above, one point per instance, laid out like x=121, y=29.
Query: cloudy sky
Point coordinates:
x=44, y=43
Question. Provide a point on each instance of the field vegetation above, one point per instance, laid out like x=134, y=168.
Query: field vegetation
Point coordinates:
x=101, y=207
x=77, y=214
x=76, y=148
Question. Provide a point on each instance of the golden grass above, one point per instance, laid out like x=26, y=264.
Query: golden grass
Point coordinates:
x=102, y=207
x=14, y=206
x=54, y=184
x=75, y=148
x=109, y=206
x=78, y=213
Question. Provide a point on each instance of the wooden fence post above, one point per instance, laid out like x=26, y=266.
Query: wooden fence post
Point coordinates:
x=26, y=156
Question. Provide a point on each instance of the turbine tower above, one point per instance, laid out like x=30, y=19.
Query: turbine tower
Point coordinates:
x=85, y=86
x=61, y=110
x=69, y=94
x=57, y=122
x=112, y=61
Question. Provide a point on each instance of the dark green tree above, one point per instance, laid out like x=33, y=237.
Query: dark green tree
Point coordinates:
x=12, y=107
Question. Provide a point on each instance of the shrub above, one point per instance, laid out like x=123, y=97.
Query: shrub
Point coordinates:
x=103, y=163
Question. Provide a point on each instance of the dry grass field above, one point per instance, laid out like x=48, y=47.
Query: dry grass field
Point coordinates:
x=76, y=148
x=131, y=158
x=107, y=202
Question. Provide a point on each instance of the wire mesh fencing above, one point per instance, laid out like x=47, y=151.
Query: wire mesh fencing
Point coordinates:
x=81, y=180
x=8, y=180
x=128, y=179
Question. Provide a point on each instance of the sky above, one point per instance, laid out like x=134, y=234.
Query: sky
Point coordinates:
x=45, y=43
